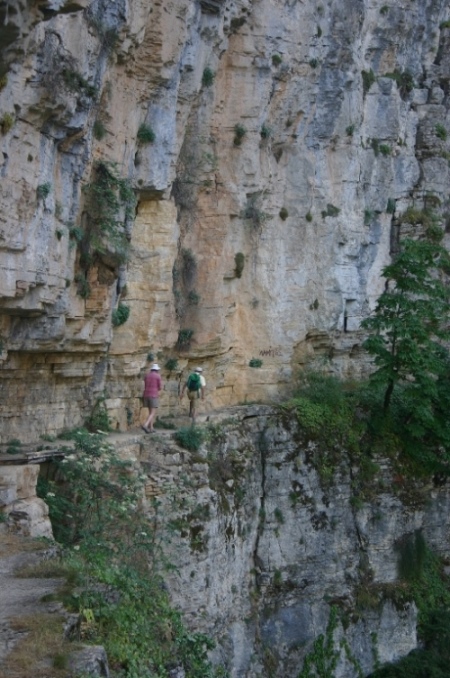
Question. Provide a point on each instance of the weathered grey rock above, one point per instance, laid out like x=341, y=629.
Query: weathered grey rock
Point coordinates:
x=91, y=661
x=269, y=546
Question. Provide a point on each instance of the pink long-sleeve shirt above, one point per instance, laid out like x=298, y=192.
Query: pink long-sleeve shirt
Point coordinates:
x=153, y=385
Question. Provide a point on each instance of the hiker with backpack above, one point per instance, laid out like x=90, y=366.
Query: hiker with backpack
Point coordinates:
x=195, y=385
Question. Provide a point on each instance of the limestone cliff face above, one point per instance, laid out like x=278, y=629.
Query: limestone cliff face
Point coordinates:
x=265, y=545
x=289, y=138
x=268, y=535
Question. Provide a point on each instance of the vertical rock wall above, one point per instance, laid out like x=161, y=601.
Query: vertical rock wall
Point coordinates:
x=266, y=543
x=290, y=137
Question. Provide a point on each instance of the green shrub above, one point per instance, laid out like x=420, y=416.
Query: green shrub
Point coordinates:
x=384, y=9
x=445, y=24
x=255, y=362
x=110, y=204
x=404, y=80
x=6, y=122
x=276, y=59
x=331, y=211
x=184, y=338
x=309, y=217
x=98, y=420
x=189, y=437
x=368, y=78
x=3, y=81
x=313, y=63
x=99, y=130
x=114, y=549
x=43, y=190
x=193, y=298
x=385, y=149
x=13, y=446
x=375, y=145
x=390, y=207
x=76, y=233
x=441, y=132
x=265, y=132
x=76, y=83
x=145, y=134
x=368, y=216
x=239, y=261
x=239, y=133
x=83, y=286
x=349, y=130
x=120, y=315
x=208, y=77
x=171, y=364
x=284, y=213
x=254, y=214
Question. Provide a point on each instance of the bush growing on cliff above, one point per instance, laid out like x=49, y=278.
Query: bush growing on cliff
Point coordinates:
x=114, y=552
x=110, y=204
x=145, y=134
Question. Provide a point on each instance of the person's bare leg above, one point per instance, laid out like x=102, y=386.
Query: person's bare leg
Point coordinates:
x=147, y=422
x=151, y=418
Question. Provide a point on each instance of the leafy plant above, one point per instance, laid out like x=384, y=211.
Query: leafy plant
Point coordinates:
x=76, y=83
x=283, y=213
x=384, y=9
x=189, y=437
x=171, y=364
x=83, y=286
x=110, y=204
x=193, y=298
x=99, y=130
x=184, y=338
x=239, y=133
x=253, y=213
x=3, y=81
x=255, y=362
x=349, y=130
x=368, y=216
x=13, y=446
x=120, y=314
x=368, y=78
x=239, y=261
x=276, y=59
x=145, y=134
x=99, y=421
x=375, y=145
x=265, y=132
x=385, y=149
x=114, y=551
x=390, y=207
x=208, y=77
x=309, y=217
x=441, y=132
x=6, y=122
x=404, y=80
x=43, y=190
x=331, y=211
x=313, y=63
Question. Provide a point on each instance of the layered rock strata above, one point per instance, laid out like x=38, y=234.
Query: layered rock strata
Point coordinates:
x=273, y=148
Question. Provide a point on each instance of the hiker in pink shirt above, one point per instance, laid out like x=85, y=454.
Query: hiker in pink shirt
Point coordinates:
x=153, y=385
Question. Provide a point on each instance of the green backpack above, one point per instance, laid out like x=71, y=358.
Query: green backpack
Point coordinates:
x=194, y=383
